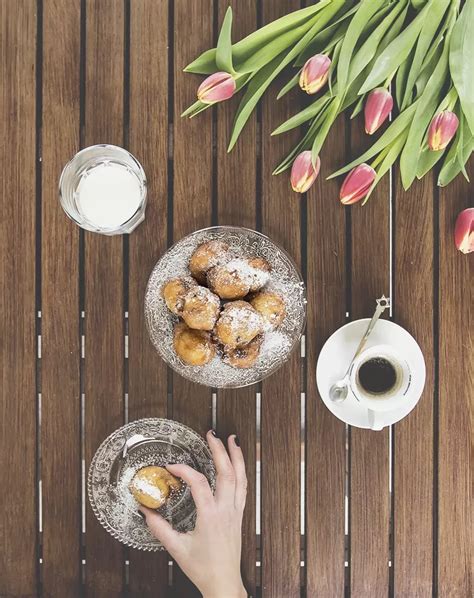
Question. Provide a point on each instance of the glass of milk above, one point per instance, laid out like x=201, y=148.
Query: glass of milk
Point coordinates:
x=103, y=190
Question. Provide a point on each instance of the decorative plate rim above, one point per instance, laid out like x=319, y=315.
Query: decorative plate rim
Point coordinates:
x=99, y=515
x=236, y=229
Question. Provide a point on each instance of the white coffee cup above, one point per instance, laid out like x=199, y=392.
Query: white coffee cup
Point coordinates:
x=393, y=398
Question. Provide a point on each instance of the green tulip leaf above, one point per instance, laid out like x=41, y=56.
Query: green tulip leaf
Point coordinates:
x=293, y=82
x=321, y=135
x=358, y=107
x=319, y=43
x=195, y=108
x=426, y=107
x=461, y=60
x=390, y=25
x=261, y=81
x=224, y=45
x=425, y=40
x=367, y=9
x=205, y=64
x=397, y=127
x=306, y=114
x=453, y=165
x=387, y=162
x=396, y=52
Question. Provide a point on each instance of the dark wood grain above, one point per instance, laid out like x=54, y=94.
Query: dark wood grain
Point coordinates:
x=325, y=434
x=281, y=393
x=148, y=141
x=456, y=392
x=413, y=436
x=60, y=383
x=236, y=205
x=369, y=451
x=17, y=314
x=192, y=192
x=104, y=314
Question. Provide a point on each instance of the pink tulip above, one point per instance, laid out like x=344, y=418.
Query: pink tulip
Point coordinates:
x=315, y=73
x=377, y=108
x=303, y=173
x=357, y=184
x=464, y=231
x=442, y=129
x=216, y=88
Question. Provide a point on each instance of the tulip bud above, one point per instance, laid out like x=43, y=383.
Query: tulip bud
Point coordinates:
x=216, y=88
x=357, y=184
x=303, y=173
x=377, y=108
x=442, y=129
x=315, y=73
x=464, y=231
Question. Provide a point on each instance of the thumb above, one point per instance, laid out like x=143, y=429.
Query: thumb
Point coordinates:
x=161, y=529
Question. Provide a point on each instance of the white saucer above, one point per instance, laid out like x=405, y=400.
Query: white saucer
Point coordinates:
x=337, y=354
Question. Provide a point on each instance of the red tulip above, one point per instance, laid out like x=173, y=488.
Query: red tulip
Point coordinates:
x=377, y=108
x=357, y=184
x=464, y=231
x=303, y=173
x=442, y=129
x=216, y=88
x=315, y=73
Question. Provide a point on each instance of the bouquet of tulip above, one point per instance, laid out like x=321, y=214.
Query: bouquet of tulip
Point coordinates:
x=359, y=55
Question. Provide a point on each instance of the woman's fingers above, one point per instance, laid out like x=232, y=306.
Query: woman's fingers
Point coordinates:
x=225, y=484
x=200, y=489
x=162, y=530
x=238, y=464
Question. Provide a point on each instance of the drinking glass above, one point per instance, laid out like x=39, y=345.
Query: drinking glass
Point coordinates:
x=108, y=163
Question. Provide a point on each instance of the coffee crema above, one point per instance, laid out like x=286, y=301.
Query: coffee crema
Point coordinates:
x=377, y=375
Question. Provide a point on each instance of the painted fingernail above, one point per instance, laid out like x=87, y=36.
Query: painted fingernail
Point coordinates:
x=142, y=515
x=237, y=440
x=213, y=432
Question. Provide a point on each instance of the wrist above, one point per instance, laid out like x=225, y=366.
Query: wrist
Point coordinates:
x=229, y=591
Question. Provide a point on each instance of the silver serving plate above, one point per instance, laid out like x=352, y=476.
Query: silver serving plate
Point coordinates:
x=133, y=446
x=285, y=280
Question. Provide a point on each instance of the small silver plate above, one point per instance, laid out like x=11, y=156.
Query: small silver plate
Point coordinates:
x=110, y=474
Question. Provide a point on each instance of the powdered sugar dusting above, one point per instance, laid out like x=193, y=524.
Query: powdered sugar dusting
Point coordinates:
x=284, y=279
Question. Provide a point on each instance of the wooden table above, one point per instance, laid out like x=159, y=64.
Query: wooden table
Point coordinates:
x=385, y=513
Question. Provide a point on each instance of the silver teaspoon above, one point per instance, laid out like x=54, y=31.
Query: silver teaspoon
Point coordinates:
x=340, y=389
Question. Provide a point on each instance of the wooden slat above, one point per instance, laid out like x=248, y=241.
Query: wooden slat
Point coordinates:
x=325, y=434
x=236, y=192
x=281, y=393
x=60, y=384
x=148, y=140
x=17, y=313
x=104, y=328
x=192, y=192
x=413, y=436
x=369, y=451
x=456, y=392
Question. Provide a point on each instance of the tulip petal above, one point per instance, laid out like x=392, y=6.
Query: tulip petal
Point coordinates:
x=464, y=231
x=357, y=184
x=303, y=172
x=377, y=108
x=216, y=88
x=442, y=129
x=315, y=73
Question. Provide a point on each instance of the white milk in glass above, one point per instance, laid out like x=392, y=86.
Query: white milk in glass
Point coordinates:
x=108, y=194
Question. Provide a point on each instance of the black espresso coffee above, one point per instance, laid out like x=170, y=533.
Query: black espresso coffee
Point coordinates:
x=377, y=375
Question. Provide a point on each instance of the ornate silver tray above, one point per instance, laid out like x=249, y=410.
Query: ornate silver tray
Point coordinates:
x=285, y=280
x=150, y=442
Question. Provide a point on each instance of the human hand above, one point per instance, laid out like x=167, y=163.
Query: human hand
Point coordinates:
x=210, y=554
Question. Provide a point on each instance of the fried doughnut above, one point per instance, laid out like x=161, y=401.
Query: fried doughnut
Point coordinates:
x=244, y=357
x=152, y=485
x=193, y=347
x=238, y=324
x=229, y=281
x=258, y=272
x=174, y=291
x=271, y=307
x=200, y=308
x=205, y=257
